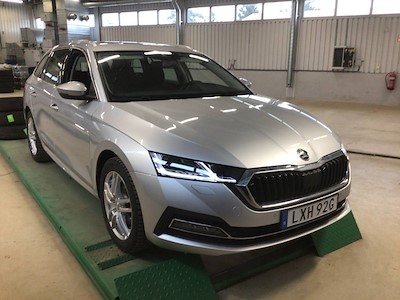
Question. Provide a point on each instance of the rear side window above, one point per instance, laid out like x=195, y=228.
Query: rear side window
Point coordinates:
x=42, y=63
x=52, y=72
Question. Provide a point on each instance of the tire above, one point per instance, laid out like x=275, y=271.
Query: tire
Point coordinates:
x=6, y=75
x=34, y=142
x=6, y=81
x=12, y=118
x=121, y=208
x=12, y=132
x=11, y=104
x=7, y=89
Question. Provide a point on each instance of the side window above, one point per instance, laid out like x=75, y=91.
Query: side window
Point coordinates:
x=77, y=69
x=40, y=66
x=52, y=72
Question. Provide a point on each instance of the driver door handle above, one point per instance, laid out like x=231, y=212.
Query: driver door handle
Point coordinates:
x=54, y=106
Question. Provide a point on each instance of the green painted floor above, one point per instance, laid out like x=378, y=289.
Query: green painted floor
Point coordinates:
x=77, y=217
x=156, y=274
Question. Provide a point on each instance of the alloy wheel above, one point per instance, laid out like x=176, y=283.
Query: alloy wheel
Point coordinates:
x=117, y=204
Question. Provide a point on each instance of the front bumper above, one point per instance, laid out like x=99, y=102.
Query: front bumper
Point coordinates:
x=218, y=222
x=205, y=247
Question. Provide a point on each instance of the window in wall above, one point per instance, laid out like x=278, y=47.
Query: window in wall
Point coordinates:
x=198, y=15
x=319, y=8
x=223, y=13
x=148, y=17
x=277, y=10
x=167, y=16
x=128, y=18
x=353, y=7
x=110, y=19
x=248, y=12
x=383, y=7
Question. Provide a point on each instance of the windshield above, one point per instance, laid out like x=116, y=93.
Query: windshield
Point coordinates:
x=155, y=75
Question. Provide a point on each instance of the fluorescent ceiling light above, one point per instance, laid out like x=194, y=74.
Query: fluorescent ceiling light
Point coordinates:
x=12, y=1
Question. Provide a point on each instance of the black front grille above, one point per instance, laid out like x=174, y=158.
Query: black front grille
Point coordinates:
x=280, y=186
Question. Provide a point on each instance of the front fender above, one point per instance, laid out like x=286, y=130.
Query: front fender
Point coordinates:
x=135, y=157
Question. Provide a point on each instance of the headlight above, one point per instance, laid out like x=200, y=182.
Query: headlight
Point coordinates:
x=172, y=166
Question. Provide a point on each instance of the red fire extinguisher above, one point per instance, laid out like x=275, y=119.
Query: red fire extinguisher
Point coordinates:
x=390, y=79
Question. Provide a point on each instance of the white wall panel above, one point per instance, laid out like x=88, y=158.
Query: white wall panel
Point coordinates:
x=315, y=44
x=258, y=45
x=263, y=45
x=12, y=18
x=375, y=40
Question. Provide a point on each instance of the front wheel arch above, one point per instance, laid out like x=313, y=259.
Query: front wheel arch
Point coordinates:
x=102, y=159
x=121, y=206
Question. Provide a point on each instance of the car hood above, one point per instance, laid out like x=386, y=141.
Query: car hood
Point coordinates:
x=244, y=131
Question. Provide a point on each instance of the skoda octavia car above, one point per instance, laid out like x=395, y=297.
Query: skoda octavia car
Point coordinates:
x=181, y=153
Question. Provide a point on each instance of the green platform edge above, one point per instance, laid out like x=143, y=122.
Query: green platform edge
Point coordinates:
x=102, y=286
x=114, y=282
x=123, y=286
x=339, y=234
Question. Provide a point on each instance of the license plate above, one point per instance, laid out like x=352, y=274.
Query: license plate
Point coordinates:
x=302, y=214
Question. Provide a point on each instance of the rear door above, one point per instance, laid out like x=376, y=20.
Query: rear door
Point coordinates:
x=41, y=92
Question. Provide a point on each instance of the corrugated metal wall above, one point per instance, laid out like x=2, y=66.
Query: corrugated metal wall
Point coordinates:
x=258, y=45
x=12, y=18
x=263, y=45
x=375, y=39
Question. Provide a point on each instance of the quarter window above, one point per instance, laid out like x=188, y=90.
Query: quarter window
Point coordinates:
x=39, y=69
x=52, y=72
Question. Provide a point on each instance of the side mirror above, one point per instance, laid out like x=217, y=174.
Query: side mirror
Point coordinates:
x=72, y=89
x=245, y=82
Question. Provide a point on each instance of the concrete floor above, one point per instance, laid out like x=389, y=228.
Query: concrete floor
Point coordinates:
x=35, y=263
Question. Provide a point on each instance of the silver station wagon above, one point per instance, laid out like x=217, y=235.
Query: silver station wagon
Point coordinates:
x=181, y=153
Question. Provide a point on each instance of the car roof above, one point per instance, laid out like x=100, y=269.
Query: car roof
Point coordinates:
x=125, y=46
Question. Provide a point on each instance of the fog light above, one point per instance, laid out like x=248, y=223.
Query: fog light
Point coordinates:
x=197, y=228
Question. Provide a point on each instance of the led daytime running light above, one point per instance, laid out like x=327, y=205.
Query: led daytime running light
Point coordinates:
x=197, y=170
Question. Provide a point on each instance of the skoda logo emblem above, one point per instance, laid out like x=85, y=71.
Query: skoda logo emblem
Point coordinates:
x=303, y=154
